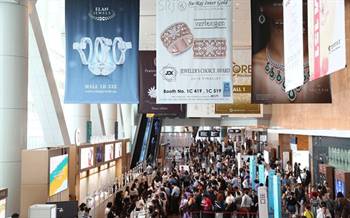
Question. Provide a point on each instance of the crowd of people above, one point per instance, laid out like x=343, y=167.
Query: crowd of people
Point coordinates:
x=213, y=181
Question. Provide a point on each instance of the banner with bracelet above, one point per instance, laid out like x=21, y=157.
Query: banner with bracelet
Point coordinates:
x=102, y=51
x=194, y=51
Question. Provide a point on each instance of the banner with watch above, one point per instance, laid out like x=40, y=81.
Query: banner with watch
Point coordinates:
x=194, y=41
x=268, y=68
x=326, y=30
x=102, y=51
x=148, y=89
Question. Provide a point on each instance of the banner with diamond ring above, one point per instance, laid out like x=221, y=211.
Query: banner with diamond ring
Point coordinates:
x=194, y=51
x=102, y=51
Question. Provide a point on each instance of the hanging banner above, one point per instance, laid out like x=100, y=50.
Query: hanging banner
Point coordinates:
x=326, y=29
x=194, y=51
x=268, y=69
x=102, y=49
x=148, y=91
x=293, y=44
x=242, y=71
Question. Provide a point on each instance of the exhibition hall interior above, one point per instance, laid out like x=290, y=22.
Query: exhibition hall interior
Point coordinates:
x=174, y=108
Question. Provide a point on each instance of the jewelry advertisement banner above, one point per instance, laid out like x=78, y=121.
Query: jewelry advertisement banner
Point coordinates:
x=148, y=90
x=326, y=20
x=242, y=72
x=268, y=77
x=194, y=41
x=102, y=51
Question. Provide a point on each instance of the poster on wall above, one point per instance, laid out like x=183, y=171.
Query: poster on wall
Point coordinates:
x=326, y=29
x=148, y=90
x=241, y=71
x=194, y=52
x=268, y=73
x=58, y=174
x=118, y=149
x=3, y=208
x=86, y=158
x=109, y=152
x=102, y=51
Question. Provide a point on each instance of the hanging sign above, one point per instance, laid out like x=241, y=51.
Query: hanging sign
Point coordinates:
x=242, y=71
x=326, y=30
x=293, y=44
x=268, y=67
x=148, y=90
x=194, y=51
x=102, y=49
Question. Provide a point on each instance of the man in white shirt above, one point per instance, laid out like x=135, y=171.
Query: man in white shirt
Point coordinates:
x=246, y=201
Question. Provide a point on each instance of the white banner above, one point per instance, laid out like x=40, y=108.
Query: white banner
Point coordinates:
x=263, y=200
x=293, y=44
x=326, y=25
x=194, y=51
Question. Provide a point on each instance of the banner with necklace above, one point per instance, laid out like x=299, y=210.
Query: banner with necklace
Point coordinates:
x=268, y=69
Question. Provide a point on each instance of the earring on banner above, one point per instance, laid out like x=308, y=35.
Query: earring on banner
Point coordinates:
x=262, y=18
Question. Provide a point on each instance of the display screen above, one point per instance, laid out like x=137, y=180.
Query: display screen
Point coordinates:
x=99, y=153
x=58, y=174
x=86, y=158
x=109, y=152
x=204, y=133
x=118, y=149
x=215, y=134
x=339, y=186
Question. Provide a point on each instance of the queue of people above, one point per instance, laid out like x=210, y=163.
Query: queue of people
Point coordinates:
x=212, y=182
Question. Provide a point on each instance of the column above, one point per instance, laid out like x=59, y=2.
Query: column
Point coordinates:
x=109, y=112
x=76, y=117
x=13, y=96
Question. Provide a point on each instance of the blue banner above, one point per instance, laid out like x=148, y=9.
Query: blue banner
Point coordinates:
x=252, y=171
x=262, y=174
x=270, y=192
x=102, y=39
x=277, y=196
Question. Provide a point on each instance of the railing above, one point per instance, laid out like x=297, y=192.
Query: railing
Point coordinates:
x=228, y=214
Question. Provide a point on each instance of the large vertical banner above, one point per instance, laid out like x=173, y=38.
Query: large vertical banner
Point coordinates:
x=326, y=25
x=102, y=51
x=148, y=90
x=194, y=44
x=268, y=67
x=242, y=71
x=293, y=44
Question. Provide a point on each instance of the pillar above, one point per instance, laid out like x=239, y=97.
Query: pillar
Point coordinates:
x=13, y=96
x=109, y=112
x=77, y=116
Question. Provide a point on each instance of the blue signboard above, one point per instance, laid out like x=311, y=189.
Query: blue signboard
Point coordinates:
x=102, y=51
x=277, y=196
x=252, y=170
x=261, y=174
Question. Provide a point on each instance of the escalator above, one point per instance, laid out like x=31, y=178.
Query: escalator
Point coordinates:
x=145, y=146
